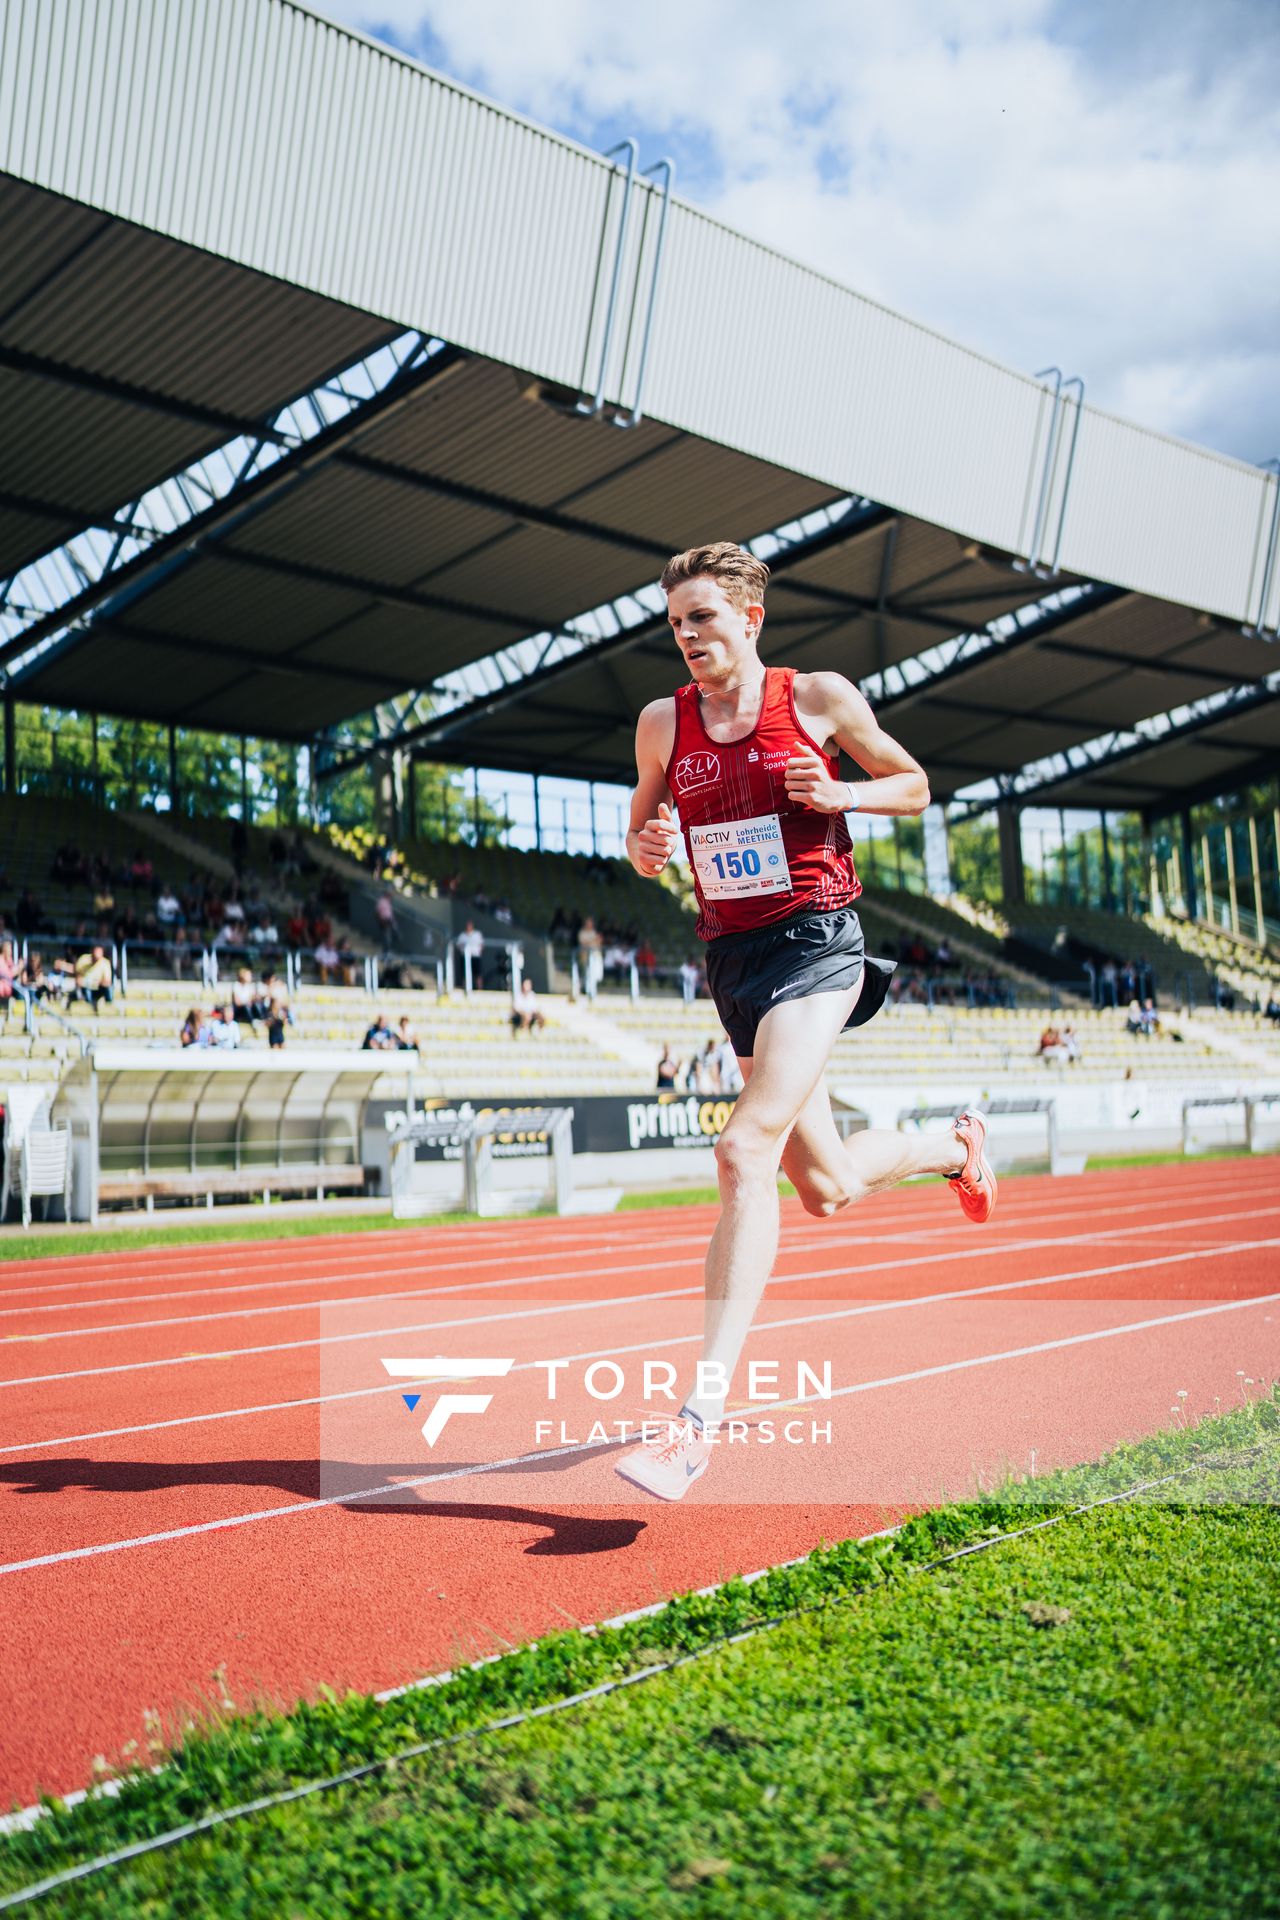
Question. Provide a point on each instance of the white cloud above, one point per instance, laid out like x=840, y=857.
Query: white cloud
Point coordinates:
x=1094, y=186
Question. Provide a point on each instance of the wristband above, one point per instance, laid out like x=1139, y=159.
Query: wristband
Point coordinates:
x=854, y=802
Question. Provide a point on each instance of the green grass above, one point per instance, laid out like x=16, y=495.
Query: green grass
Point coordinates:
x=278, y=1226
x=1081, y=1721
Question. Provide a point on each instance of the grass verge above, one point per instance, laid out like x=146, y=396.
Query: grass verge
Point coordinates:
x=1081, y=1721
x=39, y=1246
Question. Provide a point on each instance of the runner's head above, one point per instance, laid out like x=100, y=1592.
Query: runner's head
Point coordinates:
x=715, y=603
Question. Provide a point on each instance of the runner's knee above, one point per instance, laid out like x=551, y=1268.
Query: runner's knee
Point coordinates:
x=745, y=1152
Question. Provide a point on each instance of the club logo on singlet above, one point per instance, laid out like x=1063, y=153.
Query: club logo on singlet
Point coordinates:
x=695, y=770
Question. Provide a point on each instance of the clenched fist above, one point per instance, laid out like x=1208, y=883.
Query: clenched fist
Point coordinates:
x=656, y=840
x=809, y=783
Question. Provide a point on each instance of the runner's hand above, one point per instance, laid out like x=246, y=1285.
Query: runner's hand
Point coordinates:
x=809, y=782
x=656, y=840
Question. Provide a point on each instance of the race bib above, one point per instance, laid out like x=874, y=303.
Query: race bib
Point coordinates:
x=740, y=857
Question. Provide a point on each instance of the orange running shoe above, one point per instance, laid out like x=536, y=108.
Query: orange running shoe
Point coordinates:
x=975, y=1184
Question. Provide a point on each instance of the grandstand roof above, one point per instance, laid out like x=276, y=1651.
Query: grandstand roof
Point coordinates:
x=151, y=316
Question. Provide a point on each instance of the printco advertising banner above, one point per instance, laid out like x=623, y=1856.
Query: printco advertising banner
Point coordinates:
x=601, y=1123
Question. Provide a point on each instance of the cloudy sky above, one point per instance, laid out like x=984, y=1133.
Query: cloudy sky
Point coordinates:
x=1094, y=183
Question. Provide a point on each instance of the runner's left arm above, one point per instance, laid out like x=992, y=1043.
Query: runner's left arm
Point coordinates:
x=835, y=713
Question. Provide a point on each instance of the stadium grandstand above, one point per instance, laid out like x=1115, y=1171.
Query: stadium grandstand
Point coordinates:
x=328, y=527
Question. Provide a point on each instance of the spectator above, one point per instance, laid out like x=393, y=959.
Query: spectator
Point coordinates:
x=141, y=871
x=169, y=908
x=247, y=1000
x=706, y=1070
x=384, y=908
x=320, y=924
x=104, y=901
x=1051, y=1047
x=296, y=929
x=590, y=939
x=176, y=952
x=233, y=911
x=728, y=1072
x=222, y=1029
x=471, y=942
x=1091, y=975
x=406, y=1036
x=943, y=955
x=1071, y=1044
x=93, y=978
x=379, y=1038
x=690, y=975
x=8, y=973
x=326, y=959
x=1273, y=1011
x=1133, y=1019
x=1150, y=1018
x=526, y=1015
x=646, y=960
x=1108, y=985
x=668, y=1068
x=191, y=1026
x=32, y=981
x=279, y=1015
x=502, y=912
x=347, y=964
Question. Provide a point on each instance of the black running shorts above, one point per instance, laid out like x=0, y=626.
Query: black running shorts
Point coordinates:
x=750, y=972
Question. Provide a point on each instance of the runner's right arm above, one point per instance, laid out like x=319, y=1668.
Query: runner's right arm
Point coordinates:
x=652, y=834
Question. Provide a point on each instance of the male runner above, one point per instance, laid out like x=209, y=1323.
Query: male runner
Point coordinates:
x=750, y=755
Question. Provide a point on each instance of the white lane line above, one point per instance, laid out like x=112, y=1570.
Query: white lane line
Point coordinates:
x=560, y=1306
x=624, y=1241
x=519, y=1460
x=951, y=1296
x=823, y=1245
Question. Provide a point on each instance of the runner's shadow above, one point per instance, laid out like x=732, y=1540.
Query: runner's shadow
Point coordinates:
x=334, y=1480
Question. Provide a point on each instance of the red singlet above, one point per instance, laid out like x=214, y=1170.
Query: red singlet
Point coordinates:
x=757, y=856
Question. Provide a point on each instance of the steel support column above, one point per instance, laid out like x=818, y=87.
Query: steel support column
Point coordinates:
x=173, y=766
x=1012, y=875
x=1189, y=889
x=10, y=747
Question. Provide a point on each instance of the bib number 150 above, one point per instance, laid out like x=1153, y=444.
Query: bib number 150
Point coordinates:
x=732, y=866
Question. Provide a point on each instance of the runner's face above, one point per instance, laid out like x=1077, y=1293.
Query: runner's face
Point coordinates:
x=717, y=639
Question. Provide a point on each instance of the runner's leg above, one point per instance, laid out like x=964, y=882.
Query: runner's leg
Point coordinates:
x=829, y=1173
x=792, y=1045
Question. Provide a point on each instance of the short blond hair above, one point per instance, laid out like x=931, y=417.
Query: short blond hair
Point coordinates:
x=741, y=577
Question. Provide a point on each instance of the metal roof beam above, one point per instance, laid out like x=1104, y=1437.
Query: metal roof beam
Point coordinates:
x=969, y=657
x=521, y=623
x=227, y=425
x=139, y=574
x=285, y=664
x=1098, y=757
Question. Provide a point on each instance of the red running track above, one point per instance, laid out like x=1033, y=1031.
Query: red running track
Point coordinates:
x=182, y=1494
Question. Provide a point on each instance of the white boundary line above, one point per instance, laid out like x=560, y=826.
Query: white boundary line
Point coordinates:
x=955, y=1295
x=543, y=1279
x=229, y=1521
x=832, y=1236
x=580, y=1306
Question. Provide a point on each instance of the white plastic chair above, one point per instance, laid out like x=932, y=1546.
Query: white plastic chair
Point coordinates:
x=25, y=1107
x=46, y=1168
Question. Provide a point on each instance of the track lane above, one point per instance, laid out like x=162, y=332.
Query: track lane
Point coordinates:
x=348, y=1594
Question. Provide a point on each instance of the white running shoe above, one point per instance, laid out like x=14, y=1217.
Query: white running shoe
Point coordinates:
x=673, y=1455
